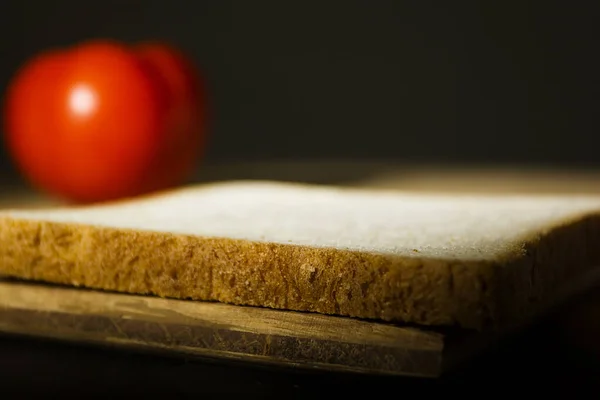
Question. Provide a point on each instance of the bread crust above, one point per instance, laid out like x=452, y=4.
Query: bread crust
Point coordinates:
x=469, y=294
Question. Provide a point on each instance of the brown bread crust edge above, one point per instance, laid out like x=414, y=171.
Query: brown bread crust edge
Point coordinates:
x=469, y=294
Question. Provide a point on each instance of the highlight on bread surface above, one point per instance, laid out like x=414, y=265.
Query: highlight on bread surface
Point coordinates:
x=469, y=261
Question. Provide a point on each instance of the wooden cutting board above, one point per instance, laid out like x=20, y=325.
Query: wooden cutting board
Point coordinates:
x=271, y=336
x=218, y=330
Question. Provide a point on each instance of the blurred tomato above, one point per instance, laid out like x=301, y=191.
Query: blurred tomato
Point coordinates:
x=31, y=108
x=101, y=121
x=186, y=106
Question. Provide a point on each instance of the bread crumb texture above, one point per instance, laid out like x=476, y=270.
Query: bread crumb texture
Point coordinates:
x=416, y=289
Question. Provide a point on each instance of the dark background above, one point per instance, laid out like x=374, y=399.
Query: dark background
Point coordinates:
x=429, y=81
x=426, y=81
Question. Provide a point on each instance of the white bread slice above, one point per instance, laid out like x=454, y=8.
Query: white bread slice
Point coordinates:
x=467, y=260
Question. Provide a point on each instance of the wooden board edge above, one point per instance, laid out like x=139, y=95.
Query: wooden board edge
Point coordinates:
x=194, y=353
x=398, y=351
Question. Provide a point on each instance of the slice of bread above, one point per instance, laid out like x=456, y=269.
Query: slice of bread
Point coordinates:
x=473, y=261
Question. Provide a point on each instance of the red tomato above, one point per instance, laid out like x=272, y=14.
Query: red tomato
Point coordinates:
x=30, y=110
x=186, y=105
x=112, y=123
x=101, y=122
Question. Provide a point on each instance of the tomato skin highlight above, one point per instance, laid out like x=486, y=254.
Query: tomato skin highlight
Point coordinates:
x=111, y=125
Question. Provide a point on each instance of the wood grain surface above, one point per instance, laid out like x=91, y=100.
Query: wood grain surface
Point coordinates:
x=219, y=330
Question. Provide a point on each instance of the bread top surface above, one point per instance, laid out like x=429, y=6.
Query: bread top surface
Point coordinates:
x=440, y=226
